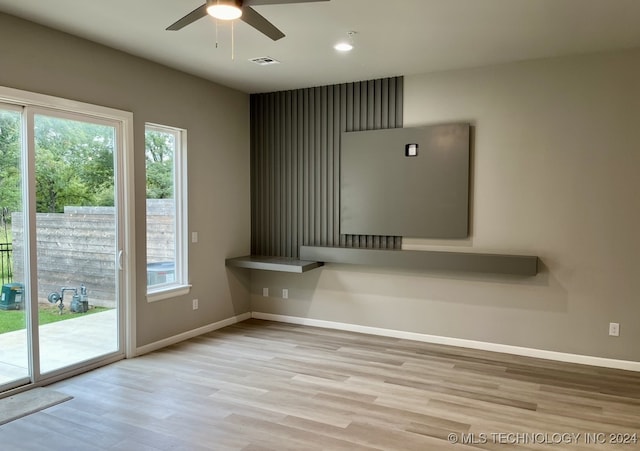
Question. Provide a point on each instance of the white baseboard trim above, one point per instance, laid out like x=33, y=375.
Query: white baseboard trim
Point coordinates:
x=460, y=342
x=190, y=334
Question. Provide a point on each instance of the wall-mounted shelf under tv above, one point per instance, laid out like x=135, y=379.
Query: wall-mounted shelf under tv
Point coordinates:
x=280, y=264
x=521, y=265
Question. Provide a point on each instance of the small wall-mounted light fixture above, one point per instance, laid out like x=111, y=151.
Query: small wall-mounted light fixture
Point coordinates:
x=411, y=150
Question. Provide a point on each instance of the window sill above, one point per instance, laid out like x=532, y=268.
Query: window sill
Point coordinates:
x=159, y=294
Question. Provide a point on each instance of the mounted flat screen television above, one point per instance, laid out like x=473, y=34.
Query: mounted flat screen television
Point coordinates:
x=411, y=182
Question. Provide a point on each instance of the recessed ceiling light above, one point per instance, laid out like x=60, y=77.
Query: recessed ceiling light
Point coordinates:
x=345, y=46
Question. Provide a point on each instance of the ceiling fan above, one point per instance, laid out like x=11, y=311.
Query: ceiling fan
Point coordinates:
x=237, y=9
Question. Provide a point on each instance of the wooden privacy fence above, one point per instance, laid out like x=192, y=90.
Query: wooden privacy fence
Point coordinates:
x=79, y=247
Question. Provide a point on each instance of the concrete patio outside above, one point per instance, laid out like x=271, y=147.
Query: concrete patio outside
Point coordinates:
x=61, y=343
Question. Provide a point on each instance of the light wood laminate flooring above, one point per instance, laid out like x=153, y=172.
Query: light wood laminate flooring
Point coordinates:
x=262, y=385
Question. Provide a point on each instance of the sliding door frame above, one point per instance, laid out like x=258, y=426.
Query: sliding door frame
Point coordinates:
x=31, y=104
x=27, y=379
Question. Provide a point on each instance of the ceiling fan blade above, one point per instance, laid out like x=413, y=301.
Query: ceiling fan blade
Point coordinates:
x=277, y=2
x=194, y=15
x=251, y=17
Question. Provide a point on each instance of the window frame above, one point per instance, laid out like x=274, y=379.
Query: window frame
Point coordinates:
x=180, y=286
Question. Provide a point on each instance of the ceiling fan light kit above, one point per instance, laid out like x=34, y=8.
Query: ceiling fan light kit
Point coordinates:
x=223, y=9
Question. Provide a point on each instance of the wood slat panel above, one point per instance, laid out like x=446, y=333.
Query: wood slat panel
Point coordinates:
x=295, y=162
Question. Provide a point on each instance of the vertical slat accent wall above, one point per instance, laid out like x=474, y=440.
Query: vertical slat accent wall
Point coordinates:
x=295, y=162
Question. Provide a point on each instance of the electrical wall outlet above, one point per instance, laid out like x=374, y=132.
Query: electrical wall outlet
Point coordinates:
x=614, y=329
x=265, y=292
x=285, y=293
x=195, y=304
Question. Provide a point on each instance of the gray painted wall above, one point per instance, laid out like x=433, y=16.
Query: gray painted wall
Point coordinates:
x=42, y=60
x=555, y=174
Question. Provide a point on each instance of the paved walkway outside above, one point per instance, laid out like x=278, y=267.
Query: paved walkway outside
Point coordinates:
x=61, y=344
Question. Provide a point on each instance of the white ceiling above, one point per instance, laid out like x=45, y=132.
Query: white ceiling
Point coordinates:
x=407, y=37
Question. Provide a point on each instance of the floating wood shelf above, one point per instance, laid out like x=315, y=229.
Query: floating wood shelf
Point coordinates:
x=280, y=264
x=522, y=265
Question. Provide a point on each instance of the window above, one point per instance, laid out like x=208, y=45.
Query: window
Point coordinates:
x=165, y=150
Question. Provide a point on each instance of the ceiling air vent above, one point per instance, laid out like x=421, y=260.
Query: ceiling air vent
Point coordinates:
x=264, y=61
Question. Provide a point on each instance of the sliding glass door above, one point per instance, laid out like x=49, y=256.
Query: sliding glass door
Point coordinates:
x=61, y=241
x=76, y=232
